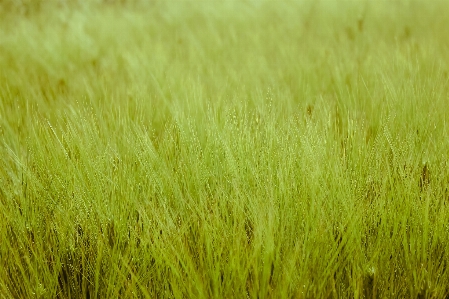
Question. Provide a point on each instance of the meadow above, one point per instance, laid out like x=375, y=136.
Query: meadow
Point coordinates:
x=224, y=149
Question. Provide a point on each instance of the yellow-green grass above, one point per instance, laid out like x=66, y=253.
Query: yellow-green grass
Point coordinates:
x=224, y=149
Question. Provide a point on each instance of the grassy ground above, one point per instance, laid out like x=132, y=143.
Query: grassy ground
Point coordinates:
x=224, y=149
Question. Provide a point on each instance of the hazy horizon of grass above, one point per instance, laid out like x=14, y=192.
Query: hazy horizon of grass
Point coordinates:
x=198, y=149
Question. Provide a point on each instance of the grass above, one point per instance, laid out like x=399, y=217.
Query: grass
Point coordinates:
x=205, y=149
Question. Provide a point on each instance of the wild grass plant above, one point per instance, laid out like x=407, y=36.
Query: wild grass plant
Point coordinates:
x=206, y=149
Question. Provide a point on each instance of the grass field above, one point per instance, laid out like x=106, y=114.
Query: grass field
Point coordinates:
x=224, y=149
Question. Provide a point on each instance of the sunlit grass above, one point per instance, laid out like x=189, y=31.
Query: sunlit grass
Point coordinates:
x=197, y=149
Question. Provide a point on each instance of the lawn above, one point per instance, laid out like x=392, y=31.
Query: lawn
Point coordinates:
x=224, y=149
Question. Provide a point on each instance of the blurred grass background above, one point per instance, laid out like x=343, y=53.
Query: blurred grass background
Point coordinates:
x=205, y=149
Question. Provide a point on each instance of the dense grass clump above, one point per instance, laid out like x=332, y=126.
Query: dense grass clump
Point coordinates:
x=224, y=149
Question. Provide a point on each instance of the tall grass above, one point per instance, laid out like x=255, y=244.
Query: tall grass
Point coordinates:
x=206, y=149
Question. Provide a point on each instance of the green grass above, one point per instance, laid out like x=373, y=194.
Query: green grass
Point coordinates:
x=207, y=149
